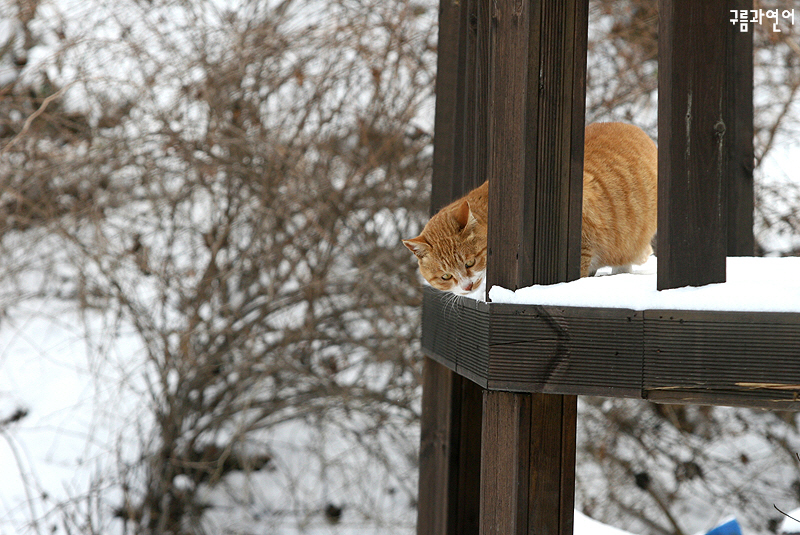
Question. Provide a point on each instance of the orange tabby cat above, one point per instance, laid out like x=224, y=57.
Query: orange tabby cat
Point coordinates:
x=619, y=214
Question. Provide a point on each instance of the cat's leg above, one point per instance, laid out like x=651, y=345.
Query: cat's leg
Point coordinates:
x=645, y=254
x=642, y=258
x=586, y=264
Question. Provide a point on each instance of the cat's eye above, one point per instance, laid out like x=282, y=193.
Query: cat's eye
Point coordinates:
x=469, y=263
x=447, y=277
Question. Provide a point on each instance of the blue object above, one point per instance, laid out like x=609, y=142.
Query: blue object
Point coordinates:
x=731, y=527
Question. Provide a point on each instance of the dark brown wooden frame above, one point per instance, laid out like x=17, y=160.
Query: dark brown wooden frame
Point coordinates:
x=677, y=356
x=497, y=452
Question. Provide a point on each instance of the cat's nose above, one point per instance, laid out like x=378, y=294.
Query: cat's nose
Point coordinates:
x=468, y=287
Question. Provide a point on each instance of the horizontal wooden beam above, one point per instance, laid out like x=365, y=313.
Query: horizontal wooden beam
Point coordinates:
x=673, y=356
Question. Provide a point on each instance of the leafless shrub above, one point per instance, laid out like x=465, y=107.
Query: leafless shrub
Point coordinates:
x=231, y=185
x=240, y=208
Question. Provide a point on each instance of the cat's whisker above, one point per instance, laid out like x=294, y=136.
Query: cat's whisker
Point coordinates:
x=451, y=304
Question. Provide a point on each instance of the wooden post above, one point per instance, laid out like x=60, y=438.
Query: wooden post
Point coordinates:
x=536, y=69
x=739, y=131
x=449, y=482
x=702, y=123
x=449, y=486
x=435, y=449
x=528, y=464
x=505, y=474
x=536, y=140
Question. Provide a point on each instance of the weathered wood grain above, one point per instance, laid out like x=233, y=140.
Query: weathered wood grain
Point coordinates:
x=705, y=137
x=680, y=356
x=450, y=423
x=739, y=120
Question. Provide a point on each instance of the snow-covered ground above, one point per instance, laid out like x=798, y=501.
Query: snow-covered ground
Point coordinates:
x=79, y=417
x=77, y=423
x=791, y=524
x=74, y=412
x=585, y=525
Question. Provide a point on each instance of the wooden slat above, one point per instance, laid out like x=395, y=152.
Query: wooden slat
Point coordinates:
x=564, y=350
x=536, y=139
x=528, y=463
x=447, y=146
x=436, y=458
x=505, y=467
x=505, y=473
x=536, y=79
x=552, y=452
x=451, y=419
x=470, y=174
x=739, y=136
x=722, y=358
x=483, y=69
x=692, y=139
x=508, y=83
x=465, y=81
x=556, y=89
x=449, y=486
x=435, y=452
x=466, y=511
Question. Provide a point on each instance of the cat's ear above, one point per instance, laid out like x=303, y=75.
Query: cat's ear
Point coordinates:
x=463, y=215
x=419, y=246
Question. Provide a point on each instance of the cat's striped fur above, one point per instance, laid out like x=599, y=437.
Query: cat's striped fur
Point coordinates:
x=619, y=214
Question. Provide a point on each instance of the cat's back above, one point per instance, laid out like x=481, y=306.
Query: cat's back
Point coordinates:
x=620, y=146
x=620, y=193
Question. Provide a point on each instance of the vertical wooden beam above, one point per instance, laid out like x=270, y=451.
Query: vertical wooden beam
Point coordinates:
x=508, y=60
x=694, y=134
x=528, y=465
x=537, y=103
x=448, y=139
x=536, y=79
x=466, y=510
x=466, y=173
x=436, y=457
x=504, y=471
x=552, y=451
x=554, y=148
x=739, y=131
x=449, y=485
x=435, y=451
x=463, y=155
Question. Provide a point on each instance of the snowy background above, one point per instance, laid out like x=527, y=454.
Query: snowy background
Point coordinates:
x=207, y=321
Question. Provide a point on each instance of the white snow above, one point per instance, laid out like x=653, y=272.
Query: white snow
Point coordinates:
x=752, y=284
x=585, y=525
x=790, y=523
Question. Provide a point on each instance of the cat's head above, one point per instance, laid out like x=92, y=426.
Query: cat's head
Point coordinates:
x=452, y=250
